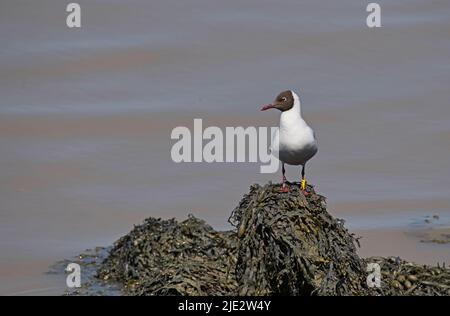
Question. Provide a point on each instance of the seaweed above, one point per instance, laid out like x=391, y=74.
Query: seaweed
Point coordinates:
x=290, y=245
x=281, y=244
x=403, y=278
x=164, y=257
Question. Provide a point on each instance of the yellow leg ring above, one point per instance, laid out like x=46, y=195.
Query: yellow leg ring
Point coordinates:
x=303, y=184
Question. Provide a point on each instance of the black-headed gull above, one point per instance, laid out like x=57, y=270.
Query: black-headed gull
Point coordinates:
x=294, y=143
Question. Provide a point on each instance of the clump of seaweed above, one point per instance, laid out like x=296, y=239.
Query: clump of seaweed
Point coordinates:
x=164, y=257
x=283, y=244
x=403, y=278
x=290, y=245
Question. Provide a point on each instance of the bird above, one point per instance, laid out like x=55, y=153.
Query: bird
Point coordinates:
x=294, y=143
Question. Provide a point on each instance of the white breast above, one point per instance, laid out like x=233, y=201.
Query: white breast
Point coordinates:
x=294, y=143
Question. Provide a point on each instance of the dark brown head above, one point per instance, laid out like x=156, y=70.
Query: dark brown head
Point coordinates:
x=283, y=102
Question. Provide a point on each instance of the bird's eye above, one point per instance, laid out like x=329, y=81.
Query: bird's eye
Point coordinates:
x=283, y=99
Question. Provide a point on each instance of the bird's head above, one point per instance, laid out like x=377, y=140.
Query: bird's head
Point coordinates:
x=283, y=102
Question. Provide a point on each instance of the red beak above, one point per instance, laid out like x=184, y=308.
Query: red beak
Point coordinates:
x=266, y=107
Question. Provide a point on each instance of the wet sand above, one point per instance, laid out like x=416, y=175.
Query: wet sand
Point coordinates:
x=404, y=244
x=86, y=116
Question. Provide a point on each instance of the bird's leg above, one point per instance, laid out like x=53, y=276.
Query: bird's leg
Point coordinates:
x=303, y=181
x=284, y=187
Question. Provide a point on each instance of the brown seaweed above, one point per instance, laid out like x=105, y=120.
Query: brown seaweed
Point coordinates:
x=164, y=257
x=282, y=244
x=290, y=245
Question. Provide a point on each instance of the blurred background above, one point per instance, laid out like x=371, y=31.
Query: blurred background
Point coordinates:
x=86, y=116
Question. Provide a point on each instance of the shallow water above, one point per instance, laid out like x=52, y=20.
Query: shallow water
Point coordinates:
x=86, y=116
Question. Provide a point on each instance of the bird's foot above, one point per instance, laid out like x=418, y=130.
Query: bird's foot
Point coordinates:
x=284, y=188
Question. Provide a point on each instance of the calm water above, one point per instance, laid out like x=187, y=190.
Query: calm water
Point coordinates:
x=86, y=116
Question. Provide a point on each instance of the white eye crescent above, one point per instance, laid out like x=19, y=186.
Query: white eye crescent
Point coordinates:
x=283, y=99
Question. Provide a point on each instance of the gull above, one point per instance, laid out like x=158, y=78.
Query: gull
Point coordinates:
x=294, y=143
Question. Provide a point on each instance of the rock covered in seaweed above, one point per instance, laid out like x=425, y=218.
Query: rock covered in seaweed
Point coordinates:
x=284, y=244
x=164, y=257
x=403, y=278
x=290, y=245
